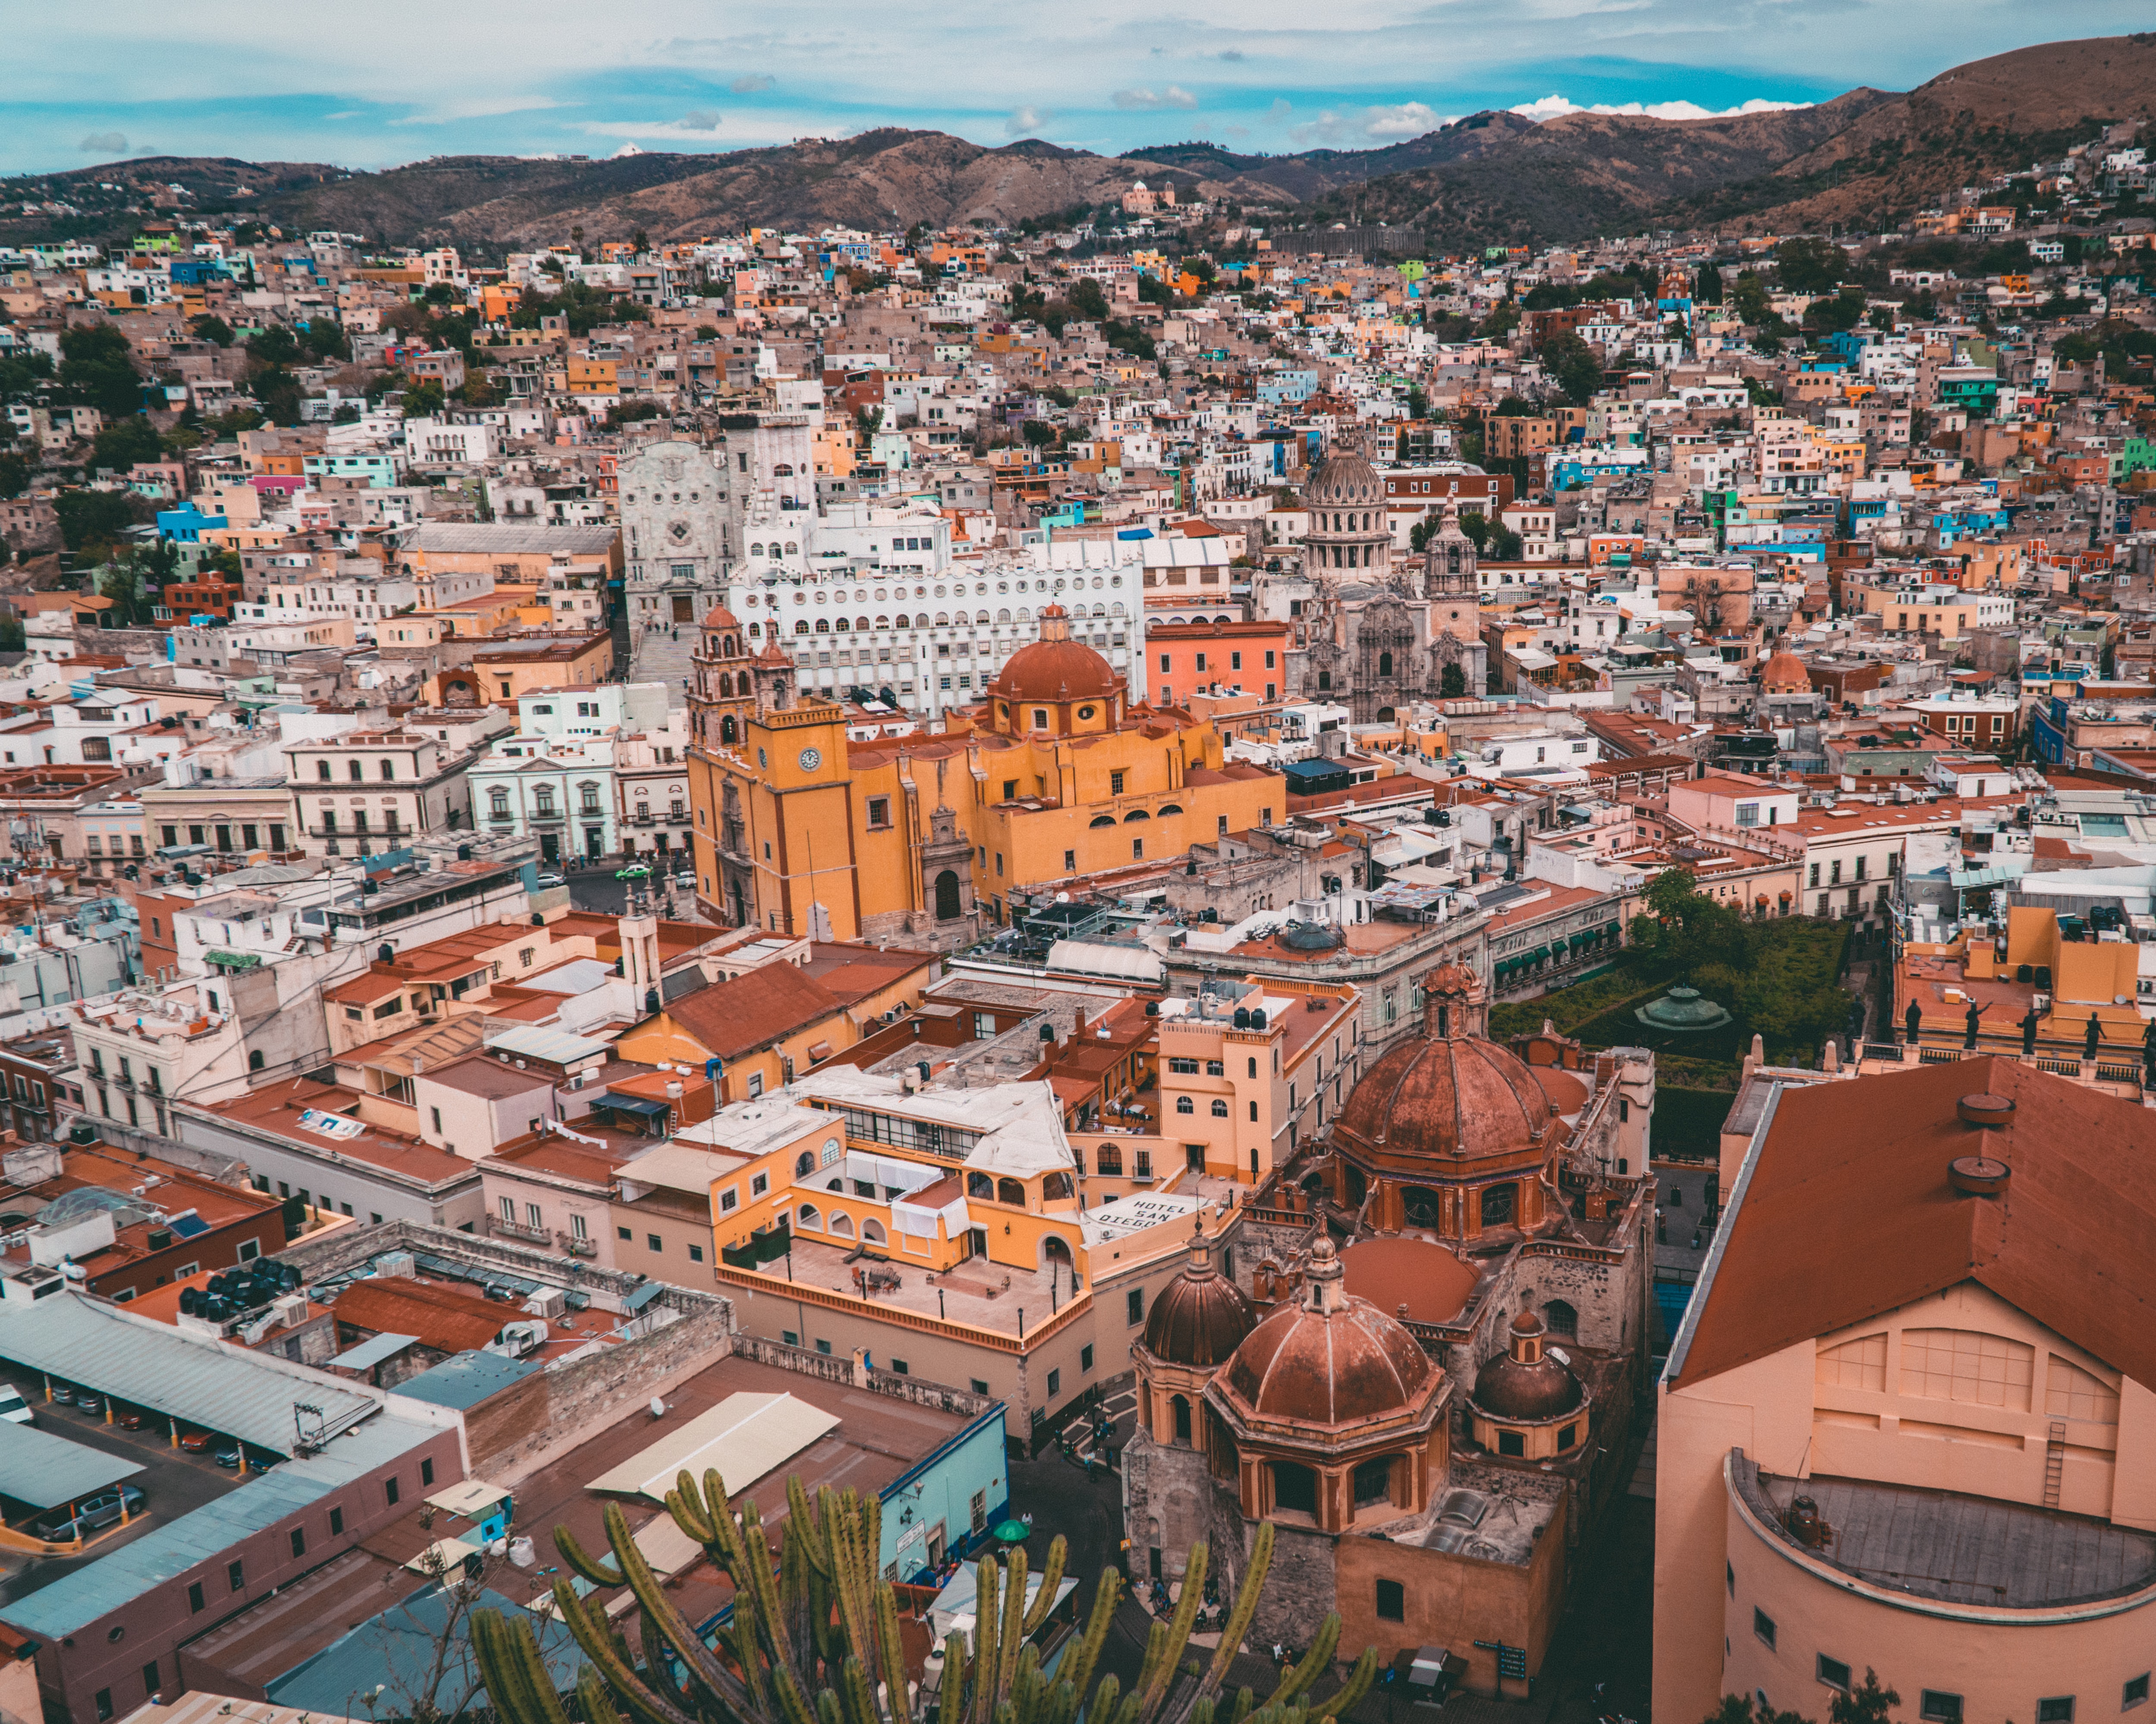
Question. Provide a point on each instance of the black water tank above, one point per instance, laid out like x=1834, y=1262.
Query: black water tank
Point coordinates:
x=1257, y=1018
x=1242, y=1019
x=386, y=952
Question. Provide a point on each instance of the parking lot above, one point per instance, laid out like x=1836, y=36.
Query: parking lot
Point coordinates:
x=175, y=1483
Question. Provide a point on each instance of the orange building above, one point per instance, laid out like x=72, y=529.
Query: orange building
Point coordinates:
x=922, y=837
x=1187, y=657
x=1909, y=1422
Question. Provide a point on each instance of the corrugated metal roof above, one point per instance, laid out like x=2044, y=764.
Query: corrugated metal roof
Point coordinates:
x=535, y=1043
x=45, y=1470
x=371, y=1352
x=452, y=537
x=94, y=1590
x=197, y=1381
x=466, y=1380
x=404, y=1638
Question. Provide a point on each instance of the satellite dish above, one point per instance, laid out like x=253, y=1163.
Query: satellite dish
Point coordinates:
x=1561, y=1356
x=657, y=1407
x=1063, y=897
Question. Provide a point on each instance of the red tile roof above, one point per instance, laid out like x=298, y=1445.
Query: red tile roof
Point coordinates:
x=1848, y=1214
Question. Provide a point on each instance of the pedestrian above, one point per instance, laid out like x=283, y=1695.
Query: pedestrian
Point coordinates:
x=2031, y=1020
x=1914, y=1019
x=2095, y=1035
x=1974, y=1022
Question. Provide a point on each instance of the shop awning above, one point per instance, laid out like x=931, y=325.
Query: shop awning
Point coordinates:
x=233, y=960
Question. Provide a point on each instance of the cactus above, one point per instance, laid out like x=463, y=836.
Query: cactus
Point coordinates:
x=815, y=1636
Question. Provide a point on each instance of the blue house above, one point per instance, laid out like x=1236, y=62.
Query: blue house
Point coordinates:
x=185, y=525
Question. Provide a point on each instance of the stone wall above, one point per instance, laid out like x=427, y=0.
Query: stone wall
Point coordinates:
x=1171, y=1500
x=899, y=1385
x=354, y=1248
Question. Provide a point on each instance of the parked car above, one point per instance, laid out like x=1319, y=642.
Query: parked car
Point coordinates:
x=229, y=1458
x=132, y=1420
x=195, y=1442
x=89, y=1514
x=635, y=870
x=548, y=879
x=13, y=1407
x=63, y=1393
x=88, y=1401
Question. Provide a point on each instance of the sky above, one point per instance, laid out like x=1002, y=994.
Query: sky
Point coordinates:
x=382, y=82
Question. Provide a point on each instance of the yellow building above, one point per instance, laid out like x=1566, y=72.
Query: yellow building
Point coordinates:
x=1052, y=777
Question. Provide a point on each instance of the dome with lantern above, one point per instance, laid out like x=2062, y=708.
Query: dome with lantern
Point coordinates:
x=1057, y=685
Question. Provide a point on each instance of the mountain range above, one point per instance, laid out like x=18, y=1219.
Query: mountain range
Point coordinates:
x=1866, y=157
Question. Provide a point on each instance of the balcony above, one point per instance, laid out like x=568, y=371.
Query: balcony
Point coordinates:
x=575, y=1247
x=546, y=816
x=512, y=1230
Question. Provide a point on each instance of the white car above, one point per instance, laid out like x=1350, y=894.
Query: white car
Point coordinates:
x=13, y=1407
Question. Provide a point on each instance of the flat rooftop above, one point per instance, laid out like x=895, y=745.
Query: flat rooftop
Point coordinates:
x=1959, y=1550
x=987, y=1295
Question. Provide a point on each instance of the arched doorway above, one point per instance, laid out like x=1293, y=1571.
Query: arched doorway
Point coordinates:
x=947, y=896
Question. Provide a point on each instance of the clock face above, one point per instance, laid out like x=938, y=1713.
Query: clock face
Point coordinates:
x=811, y=758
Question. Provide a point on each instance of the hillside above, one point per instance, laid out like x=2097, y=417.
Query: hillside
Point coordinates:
x=1867, y=156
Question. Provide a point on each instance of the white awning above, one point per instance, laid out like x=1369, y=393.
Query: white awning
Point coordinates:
x=746, y=1436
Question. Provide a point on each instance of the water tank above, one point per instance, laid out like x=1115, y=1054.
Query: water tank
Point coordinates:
x=386, y=952
x=1242, y=1018
x=1257, y=1018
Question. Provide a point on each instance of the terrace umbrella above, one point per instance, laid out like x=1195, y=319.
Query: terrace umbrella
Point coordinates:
x=1012, y=1532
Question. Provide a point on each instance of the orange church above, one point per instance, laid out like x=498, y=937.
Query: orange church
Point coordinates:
x=1054, y=775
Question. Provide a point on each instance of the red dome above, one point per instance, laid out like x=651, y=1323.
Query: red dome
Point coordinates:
x=1327, y=1359
x=718, y=616
x=1055, y=667
x=1201, y=1316
x=1443, y=1099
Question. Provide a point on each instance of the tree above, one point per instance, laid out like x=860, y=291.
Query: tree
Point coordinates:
x=325, y=339
x=641, y=240
x=1573, y=366
x=14, y=475
x=1505, y=545
x=124, y=442
x=423, y=399
x=1038, y=432
x=1087, y=300
x=11, y=634
x=211, y=329
x=94, y=368
x=92, y=520
x=274, y=346
x=1868, y=1704
x=1418, y=402
x=1476, y=526
x=825, y=1624
x=1452, y=681
x=1809, y=266
x=1737, y=1709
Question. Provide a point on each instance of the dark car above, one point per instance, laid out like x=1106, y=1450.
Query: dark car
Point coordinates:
x=87, y=1514
x=63, y=1395
x=87, y=1401
x=231, y=1456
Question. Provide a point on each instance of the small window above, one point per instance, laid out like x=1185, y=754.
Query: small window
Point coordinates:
x=426, y=1472
x=1511, y=1443
x=2136, y=1693
x=980, y=1388
x=695, y=1254
x=336, y=1523
x=299, y=1542
x=1938, y=1708
x=1763, y=1626
x=1729, y=1577
x=823, y=1347
x=1833, y=1672
x=2058, y=1709
x=1392, y=1601
x=1134, y=1305
x=901, y=1366
x=654, y=1242
x=394, y=1489
x=236, y=1572
x=195, y=1600
x=104, y=1704
x=1085, y=1358
x=1055, y=1383
x=624, y=1233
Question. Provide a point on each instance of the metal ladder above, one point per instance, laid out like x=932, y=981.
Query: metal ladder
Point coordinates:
x=2055, y=1462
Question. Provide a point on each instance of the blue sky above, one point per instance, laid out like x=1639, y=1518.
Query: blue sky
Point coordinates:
x=390, y=81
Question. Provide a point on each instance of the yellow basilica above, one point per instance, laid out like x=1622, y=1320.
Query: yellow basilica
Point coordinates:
x=1052, y=775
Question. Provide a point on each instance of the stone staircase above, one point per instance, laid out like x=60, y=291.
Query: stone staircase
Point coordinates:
x=657, y=655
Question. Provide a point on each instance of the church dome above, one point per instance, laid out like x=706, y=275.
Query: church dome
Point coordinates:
x=1526, y=1381
x=718, y=616
x=1450, y=1094
x=1344, y=479
x=1055, y=667
x=1783, y=674
x=1201, y=1316
x=1328, y=1359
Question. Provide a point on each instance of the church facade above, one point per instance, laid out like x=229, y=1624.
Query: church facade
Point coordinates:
x=1371, y=629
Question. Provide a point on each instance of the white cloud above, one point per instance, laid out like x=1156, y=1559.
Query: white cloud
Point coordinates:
x=750, y=82
x=103, y=143
x=701, y=120
x=1555, y=107
x=1025, y=120
x=1171, y=97
x=1406, y=120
